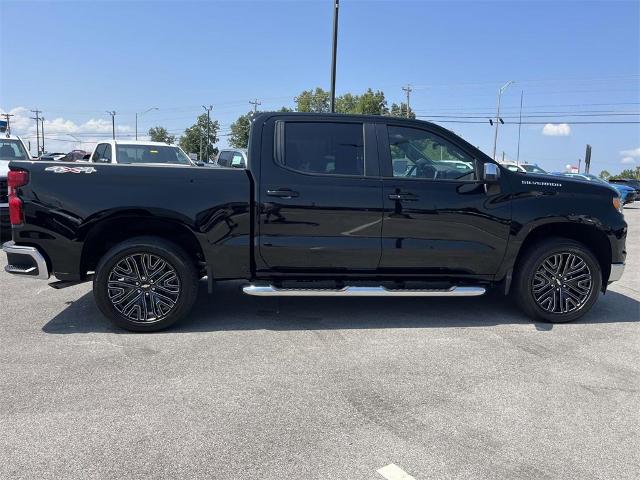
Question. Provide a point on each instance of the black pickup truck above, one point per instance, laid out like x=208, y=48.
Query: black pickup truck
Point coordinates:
x=328, y=205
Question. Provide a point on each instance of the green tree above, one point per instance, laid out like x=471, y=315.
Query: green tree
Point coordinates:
x=630, y=173
x=372, y=103
x=195, y=136
x=239, y=136
x=605, y=175
x=160, y=134
x=347, y=103
x=318, y=101
x=401, y=110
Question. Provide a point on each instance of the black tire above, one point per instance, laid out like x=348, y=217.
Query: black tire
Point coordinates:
x=564, y=296
x=165, y=296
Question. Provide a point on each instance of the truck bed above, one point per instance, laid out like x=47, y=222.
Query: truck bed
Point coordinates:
x=66, y=204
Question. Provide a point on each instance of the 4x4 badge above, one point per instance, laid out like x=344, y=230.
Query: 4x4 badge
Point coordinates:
x=62, y=169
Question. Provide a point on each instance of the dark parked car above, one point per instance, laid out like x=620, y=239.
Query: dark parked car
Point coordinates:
x=629, y=182
x=321, y=210
x=74, y=156
x=52, y=156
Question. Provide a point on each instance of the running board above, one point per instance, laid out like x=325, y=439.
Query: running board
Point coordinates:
x=271, y=291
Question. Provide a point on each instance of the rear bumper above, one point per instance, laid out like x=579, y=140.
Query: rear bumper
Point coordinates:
x=616, y=272
x=25, y=261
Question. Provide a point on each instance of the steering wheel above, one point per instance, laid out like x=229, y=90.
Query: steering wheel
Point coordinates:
x=410, y=171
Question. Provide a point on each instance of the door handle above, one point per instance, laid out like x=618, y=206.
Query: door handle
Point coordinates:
x=282, y=193
x=406, y=197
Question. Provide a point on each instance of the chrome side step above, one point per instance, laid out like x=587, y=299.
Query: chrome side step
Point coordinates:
x=18, y=269
x=271, y=291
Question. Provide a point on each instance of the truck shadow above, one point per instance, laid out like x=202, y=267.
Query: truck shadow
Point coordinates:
x=229, y=309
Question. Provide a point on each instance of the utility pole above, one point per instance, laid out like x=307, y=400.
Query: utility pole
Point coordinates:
x=7, y=117
x=519, y=128
x=408, y=89
x=42, y=121
x=37, y=119
x=503, y=156
x=113, y=123
x=495, y=137
x=587, y=159
x=255, y=104
x=206, y=145
x=336, y=8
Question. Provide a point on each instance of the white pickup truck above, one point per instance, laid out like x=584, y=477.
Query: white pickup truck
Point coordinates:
x=138, y=152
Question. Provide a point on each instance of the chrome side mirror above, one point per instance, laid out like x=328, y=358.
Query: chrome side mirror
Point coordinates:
x=491, y=172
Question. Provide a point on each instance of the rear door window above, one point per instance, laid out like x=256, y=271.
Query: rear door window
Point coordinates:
x=237, y=160
x=328, y=148
x=97, y=155
x=225, y=157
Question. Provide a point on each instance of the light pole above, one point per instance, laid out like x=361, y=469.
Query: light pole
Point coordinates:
x=142, y=113
x=495, y=137
x=336, y=8
x=206, y=146
x=519, y=127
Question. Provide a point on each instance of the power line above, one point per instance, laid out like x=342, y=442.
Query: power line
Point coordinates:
x=543, y=123
x=463, y=116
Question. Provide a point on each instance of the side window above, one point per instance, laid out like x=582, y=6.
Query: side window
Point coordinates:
x=224, y=159
x=237, y=160
x=324, y=147
x=98, y=153
x=417, y=153
x=106, y=155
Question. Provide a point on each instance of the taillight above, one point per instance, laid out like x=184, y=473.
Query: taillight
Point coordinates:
x=16, y=179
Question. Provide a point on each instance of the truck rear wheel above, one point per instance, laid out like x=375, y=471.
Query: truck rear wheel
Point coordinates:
x=145, y=284
x=557, y=281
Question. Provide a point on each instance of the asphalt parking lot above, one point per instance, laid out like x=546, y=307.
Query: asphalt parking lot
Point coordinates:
x=321, y=388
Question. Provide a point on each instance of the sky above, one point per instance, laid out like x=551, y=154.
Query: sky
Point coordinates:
x=575, y=63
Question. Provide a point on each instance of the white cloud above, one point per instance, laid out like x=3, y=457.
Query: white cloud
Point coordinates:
x=631, y=156
x=633, y=153
x=63, y=135
x=556, y=130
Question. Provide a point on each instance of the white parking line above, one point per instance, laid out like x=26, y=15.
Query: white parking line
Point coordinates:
x=394, y=472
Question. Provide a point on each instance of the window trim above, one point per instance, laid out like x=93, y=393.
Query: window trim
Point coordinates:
x=386, y=165
x=279, y=146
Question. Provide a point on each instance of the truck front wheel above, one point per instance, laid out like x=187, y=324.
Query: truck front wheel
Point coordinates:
x=557, y=281
x=145, y=284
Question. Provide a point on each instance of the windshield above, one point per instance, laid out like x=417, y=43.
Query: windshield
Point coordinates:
x=151, y=154
x=11, y=149
x=533, y=169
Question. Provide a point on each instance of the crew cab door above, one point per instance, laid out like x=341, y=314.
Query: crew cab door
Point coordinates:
x=320, y=197
x=439, y=217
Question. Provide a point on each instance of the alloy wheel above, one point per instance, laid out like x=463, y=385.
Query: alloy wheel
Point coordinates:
x=143, y=287
x=562, y=283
